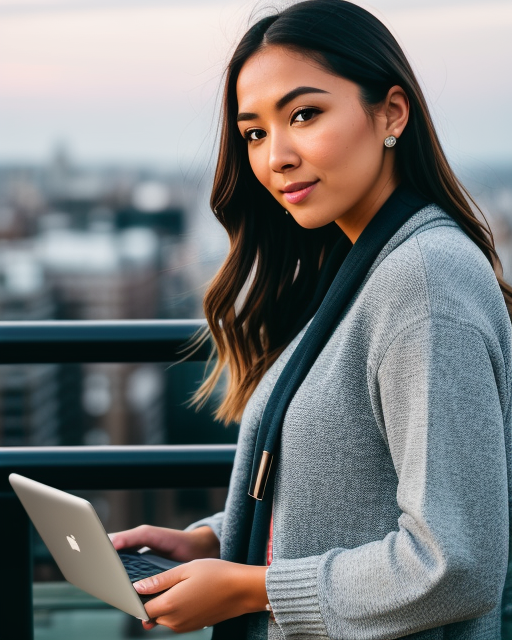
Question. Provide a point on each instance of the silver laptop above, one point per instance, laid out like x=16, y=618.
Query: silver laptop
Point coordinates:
x=74, y=535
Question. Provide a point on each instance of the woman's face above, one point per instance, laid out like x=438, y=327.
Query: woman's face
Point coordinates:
x=311, y=143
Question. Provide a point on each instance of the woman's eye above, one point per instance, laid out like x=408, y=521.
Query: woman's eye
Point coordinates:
x=304, y=115
x=254, y=134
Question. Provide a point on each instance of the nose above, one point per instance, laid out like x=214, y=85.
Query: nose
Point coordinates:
x=282, y=155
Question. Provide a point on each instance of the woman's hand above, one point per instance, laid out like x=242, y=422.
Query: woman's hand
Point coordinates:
x=202, y=593
x=181, y=546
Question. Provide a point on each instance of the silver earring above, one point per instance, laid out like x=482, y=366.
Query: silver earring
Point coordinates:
x=286, y=211
x=390, y=141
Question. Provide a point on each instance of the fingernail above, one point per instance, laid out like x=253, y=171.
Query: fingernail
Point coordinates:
x=140, y=586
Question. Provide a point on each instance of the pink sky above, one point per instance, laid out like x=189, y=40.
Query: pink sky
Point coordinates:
x=140, y=82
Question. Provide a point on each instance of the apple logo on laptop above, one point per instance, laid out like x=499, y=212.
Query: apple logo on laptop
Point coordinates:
x=73, y=543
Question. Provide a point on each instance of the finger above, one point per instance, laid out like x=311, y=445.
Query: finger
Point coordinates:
x=159, y=582
x=122, y=540
x=115, y=538
x=137, y=537
x=148, y=624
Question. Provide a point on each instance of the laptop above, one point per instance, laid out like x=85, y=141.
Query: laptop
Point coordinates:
x=74, y=535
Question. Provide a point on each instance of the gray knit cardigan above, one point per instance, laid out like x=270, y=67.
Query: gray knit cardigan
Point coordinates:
x=392, y=495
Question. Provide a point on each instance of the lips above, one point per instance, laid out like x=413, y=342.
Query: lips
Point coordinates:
x=297, y=191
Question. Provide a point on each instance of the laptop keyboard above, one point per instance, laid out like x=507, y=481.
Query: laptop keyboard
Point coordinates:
x=137, y=568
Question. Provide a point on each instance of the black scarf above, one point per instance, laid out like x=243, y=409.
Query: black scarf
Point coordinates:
x=356, y=261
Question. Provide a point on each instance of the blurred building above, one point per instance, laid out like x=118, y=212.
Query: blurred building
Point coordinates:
x=25, y=293
x=101, y=274
x=98, y=274
x=36, y=401
x=21, y=202
x=104, y=243
x=491, y=187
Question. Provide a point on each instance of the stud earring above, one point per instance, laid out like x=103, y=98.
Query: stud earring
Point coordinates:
x=287, y=212
x=390, y=141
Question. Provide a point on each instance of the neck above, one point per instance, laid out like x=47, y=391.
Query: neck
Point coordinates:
x=355, y=220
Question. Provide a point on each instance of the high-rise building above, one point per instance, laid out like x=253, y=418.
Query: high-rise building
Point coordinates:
x=32, y=405
x=102, y=244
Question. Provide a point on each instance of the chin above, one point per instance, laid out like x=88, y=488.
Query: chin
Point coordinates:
x=308, y=223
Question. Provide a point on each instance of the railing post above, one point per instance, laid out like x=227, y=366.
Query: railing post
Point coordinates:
x=16, y=612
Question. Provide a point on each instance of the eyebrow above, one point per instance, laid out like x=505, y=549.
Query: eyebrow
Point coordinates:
x=282, y=102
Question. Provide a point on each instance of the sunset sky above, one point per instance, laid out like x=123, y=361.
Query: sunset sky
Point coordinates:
x=137, y=81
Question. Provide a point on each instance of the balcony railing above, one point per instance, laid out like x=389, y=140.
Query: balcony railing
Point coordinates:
x=102, y=341
x=80, y=468
x=91, y=468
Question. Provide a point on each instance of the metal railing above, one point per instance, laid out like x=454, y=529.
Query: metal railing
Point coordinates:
x=91, y=468
x=99, y=341
x=80, y=468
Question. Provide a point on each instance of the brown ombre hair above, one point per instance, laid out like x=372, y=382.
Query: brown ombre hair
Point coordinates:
x=256, y=303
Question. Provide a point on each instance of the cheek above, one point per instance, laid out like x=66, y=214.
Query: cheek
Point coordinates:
x=259, y=166
x=350, y=148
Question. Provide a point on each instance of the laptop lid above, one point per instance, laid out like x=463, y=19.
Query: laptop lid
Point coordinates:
x=74, y=535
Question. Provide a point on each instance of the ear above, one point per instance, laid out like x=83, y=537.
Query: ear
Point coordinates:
x=395, y=111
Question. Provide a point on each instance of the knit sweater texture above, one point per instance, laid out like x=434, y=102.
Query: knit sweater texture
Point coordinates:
x=392, y=494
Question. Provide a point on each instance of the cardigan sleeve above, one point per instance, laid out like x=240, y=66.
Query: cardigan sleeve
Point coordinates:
x=214, y=522
x=447, y=559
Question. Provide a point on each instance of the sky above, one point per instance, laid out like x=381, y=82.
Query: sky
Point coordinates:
x=138, y=81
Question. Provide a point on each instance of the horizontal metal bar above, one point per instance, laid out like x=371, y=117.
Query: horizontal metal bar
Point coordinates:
x=99, y=341
x=126, y=467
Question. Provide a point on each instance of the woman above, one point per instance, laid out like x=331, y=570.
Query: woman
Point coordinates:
x=365, y=326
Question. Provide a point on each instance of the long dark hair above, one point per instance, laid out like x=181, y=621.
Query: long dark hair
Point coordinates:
x=255, y=304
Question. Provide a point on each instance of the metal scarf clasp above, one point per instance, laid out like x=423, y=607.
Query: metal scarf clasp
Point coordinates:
x=258, y=490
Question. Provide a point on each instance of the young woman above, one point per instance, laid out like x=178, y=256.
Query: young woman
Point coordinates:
x=365, y=327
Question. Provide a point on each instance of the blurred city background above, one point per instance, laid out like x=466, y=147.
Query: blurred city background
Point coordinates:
x=108, y=122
